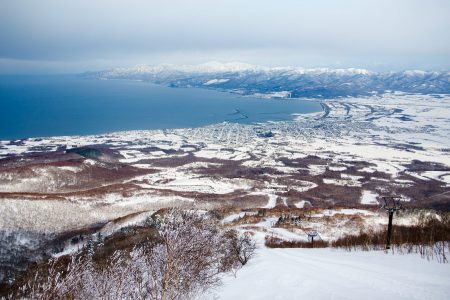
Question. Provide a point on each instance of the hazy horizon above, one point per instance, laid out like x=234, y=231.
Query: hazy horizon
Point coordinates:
x=48, y=36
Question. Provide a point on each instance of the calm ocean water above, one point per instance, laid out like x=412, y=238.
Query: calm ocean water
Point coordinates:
x=32, y=106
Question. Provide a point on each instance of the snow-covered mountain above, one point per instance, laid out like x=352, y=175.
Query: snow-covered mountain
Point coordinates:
x=290, y=81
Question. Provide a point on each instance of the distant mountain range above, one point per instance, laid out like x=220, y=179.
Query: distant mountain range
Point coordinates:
x=284, y=82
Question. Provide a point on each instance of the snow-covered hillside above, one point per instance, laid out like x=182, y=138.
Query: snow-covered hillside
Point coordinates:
x=335, y=274
x=293, y=81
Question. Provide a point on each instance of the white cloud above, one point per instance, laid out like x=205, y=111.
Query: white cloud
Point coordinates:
x=322, y=32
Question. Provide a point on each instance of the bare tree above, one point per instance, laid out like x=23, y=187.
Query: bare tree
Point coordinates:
x=53, y=283
x=111, y=281
x=242, y=245
x=188, y=259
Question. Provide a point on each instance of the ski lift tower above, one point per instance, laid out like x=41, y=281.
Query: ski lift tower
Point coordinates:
x=311, y=236
x=391, y=205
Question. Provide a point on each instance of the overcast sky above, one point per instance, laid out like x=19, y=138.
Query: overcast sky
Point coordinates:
x=73, y=36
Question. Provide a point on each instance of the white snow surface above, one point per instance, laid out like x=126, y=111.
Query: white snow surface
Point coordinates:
x=335, y=274
x=369, y=197
x=220, y=67
x=302, y=203
x=216, y=81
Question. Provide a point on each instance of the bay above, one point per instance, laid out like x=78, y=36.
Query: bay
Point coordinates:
x=37, y=106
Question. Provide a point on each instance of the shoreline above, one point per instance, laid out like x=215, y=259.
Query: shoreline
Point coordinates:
x=154, y=114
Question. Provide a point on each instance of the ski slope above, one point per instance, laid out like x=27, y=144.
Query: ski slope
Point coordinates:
x=336, y=274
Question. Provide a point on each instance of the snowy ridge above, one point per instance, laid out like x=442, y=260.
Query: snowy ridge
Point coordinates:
x=211, y=67
x=296, y=82
x=232, y=67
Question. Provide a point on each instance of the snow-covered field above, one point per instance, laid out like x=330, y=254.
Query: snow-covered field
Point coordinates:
x=335, y=274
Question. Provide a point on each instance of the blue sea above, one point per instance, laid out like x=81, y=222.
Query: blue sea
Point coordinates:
x=37, y=106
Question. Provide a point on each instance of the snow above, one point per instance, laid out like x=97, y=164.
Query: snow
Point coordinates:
x=134, y=220
x=446, y=179
x=369, y=197
x=205, y=185
x=335, y=274
x=301, y=203
x=316, y=169
x=52, y=216
x=232, y=218
x=303, y=186
x=368, y=170
x=233, y=67
x=443, y=176
x=351, y=177
x=222, y=154
x=272, y=201
x=199, y=164
x=356, y=138
x=216, y=81
x=417, y=175
x=210, y=67
x=344, y=211
x=70, y=168
x=70, y=249
x=373, y=139
x=343, y=182
x=414, y=73
x=340, y=168
x=281, y=94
